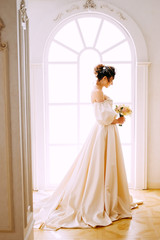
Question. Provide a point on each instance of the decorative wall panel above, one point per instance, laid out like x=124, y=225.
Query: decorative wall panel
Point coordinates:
x=6, y=200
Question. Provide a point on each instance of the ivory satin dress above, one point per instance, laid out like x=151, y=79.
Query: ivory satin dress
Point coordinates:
x=94, y=192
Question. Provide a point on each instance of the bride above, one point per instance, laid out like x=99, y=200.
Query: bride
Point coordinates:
x=94, y=192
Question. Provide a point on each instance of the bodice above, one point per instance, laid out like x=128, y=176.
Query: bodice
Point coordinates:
x=104, y=112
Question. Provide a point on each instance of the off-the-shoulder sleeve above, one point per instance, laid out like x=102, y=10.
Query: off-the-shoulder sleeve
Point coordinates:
x=104, y=113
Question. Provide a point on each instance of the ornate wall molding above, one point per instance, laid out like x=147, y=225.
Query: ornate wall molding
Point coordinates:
x=2, y=44
x=90, y=5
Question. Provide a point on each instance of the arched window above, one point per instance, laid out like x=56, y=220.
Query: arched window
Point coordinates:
x=74, y=48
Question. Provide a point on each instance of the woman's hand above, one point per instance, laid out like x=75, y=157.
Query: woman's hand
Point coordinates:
x=119, y=120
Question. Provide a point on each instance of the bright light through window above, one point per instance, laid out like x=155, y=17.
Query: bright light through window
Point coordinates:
x=75, y=49
x=69, y=36
x=89, y=28
x=88, y=60
x=62, y=84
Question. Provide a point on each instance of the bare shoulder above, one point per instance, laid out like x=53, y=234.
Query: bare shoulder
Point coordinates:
x=97, y=96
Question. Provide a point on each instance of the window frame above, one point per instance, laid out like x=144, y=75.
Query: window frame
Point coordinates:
x=133, y=69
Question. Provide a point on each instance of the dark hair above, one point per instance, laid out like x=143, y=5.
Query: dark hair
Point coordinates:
x=101, y=71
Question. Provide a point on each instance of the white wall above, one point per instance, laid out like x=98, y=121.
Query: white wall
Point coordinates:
x=145, y=14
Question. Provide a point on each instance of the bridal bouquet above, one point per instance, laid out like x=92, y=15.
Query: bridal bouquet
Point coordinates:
x=123, y=111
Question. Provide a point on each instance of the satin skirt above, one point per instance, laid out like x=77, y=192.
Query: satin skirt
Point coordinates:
x=94, y=191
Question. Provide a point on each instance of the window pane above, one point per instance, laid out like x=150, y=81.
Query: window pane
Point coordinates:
x=88, y=31
x=120, y=53
x=86, y=121
x=109, y=36
x=127, y=161
x=88, y=60
x=60, y=160
x=121, y=91
x=62, y=124
x=58, y=53
x=62, y=79
x=69, y=36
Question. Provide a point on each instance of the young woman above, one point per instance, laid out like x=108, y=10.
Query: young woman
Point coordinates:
x=94, y=192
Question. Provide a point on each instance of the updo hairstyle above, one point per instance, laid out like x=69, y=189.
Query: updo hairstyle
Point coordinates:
x=101, y=71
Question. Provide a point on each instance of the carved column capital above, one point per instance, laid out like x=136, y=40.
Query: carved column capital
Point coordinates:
x=23, y=11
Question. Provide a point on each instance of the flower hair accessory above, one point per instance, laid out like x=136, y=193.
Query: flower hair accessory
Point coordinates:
x=103, y=70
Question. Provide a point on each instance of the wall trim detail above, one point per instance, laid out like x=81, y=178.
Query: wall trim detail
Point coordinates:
x=24, y=98
x=141, y=125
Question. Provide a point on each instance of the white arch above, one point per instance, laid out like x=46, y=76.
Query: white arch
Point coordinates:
x=141, y=76
x=121, y=17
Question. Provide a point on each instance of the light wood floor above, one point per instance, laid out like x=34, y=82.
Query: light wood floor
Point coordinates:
x=144, y=225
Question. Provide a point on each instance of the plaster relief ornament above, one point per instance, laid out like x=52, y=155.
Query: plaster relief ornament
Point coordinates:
x=111, y=9
x=2, y=45
x=89, y=4
x=121, y=16
x=23, y=11
x=74, y=7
